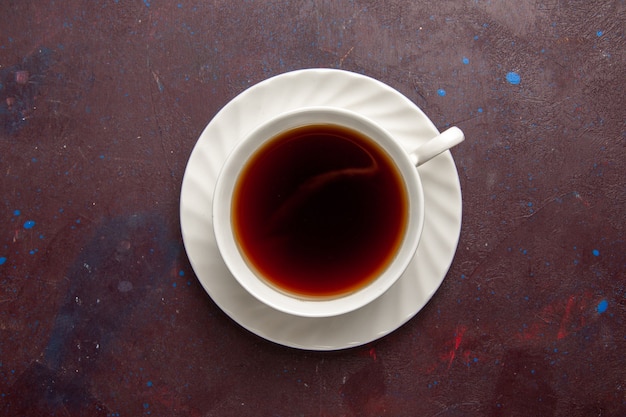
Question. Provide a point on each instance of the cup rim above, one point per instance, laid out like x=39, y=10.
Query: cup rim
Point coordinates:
x=230, y=251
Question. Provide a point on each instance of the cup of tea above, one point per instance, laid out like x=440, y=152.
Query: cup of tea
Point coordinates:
x=319, y=211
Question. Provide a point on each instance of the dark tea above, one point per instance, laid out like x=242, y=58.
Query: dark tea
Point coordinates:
x=319, y=211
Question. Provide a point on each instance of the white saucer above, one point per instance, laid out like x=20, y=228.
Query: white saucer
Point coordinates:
x=319, y=87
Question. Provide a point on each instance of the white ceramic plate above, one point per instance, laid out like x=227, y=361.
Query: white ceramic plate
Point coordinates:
x=361, y=94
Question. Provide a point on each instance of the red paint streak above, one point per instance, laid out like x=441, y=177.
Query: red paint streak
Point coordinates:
x=458, y=338
x=561, y=318
x=564, y=321
x=373, y=353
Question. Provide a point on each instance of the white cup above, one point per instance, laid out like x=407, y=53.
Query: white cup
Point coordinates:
x=312, y=306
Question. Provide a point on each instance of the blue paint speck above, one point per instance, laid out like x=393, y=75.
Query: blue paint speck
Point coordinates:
x=480, y=110
x=441, y=92
x=181, y=273
x=599, y=33
x=149, y=383
x=602, y=306
x=17, y=213
x=465, y=60
x=595, y=252
x=29, y=224
x=146, y=2
x=513, y=78
x=146, y=405
x=2, y=260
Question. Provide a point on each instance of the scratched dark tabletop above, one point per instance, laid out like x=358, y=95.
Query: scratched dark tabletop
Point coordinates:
x=101, y=103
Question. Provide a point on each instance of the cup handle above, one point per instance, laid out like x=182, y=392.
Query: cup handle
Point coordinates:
x=437, y=145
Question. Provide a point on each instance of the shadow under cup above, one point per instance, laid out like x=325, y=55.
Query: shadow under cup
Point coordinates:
x=318, y=212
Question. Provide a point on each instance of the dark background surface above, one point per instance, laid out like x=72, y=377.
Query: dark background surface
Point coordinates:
x=101, y=103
